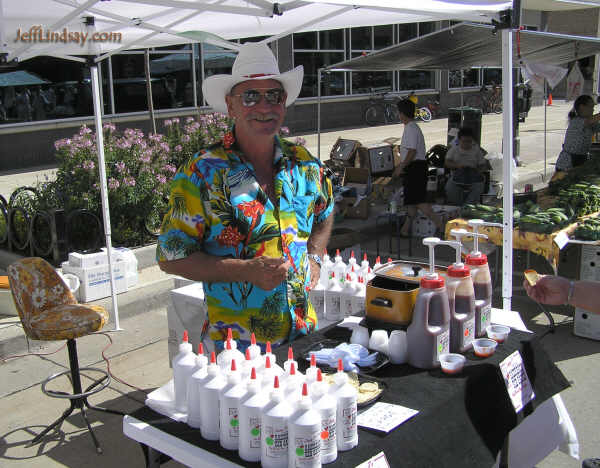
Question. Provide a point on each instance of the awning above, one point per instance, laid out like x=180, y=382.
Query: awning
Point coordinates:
x=468, y=45
x=20, y=78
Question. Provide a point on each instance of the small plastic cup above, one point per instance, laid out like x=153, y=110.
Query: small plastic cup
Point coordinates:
x=497, y=332
x=379, y=341
x=452, y=363
x=484, y=347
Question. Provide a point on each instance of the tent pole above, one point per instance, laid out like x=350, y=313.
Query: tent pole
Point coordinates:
x=149, y=89
x=319, y=113
x=103, y=189
x=545, y=118
x=507, y=149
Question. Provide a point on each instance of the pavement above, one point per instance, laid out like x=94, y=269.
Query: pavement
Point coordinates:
x=138, y=355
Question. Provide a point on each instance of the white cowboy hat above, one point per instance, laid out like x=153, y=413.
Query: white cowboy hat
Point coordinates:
x=255, y=61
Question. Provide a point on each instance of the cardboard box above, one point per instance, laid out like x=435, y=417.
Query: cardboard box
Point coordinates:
x=95, y=281
x=80, y=260
x=352, y=209
x=357, y=178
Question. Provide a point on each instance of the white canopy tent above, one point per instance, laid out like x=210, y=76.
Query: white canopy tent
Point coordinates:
x=64, y=29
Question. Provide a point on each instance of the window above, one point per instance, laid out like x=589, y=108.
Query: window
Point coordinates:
x=171, y=76
x=470, y=78
x=407, y=31
x=129, y=82
x=426, y=27
x=216, y=60
x=315, y=50
x=410, y=80
x=365, y=40
x=492, y=76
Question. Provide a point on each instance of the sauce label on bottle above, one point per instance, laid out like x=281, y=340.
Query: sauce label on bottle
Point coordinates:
x=276, y=441
x=468, y=331
x=349, y=422
x=254, y=436
x=485, y=317
x=307, y=450
x=234, y=423
x=442, y=344
x=328, y=441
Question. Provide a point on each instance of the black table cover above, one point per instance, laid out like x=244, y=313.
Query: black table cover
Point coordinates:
x=462, y=421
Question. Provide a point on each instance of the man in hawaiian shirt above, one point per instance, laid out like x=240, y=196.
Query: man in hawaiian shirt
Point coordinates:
x=250, y=215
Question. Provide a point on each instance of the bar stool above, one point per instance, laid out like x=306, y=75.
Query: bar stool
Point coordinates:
x=48, y=311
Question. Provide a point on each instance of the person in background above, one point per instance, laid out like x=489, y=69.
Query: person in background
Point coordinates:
x=467, y=162
x=251, y=214
x=583, y=123
x=414, y=168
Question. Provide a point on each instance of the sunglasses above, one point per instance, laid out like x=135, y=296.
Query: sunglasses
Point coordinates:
x=251, y=97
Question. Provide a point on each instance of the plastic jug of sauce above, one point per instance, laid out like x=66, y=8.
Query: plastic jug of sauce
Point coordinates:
x=482, y=281
x=428, y=335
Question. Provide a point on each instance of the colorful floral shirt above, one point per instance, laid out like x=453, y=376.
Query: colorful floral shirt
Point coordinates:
x=217, y=207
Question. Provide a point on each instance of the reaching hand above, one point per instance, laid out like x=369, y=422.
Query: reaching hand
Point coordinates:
x=549, y=289
x=268, y=273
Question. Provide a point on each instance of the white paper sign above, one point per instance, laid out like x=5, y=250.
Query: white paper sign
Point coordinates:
x=561, y=239
x=384, y=416
x=516, y=380
x=378, y=461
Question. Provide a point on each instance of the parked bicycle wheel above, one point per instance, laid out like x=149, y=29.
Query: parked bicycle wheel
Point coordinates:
x=374, y=115
x=496, y=107
x=425, y=114
x=393, y=114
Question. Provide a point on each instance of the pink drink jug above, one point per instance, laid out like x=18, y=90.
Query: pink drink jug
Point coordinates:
x=428, y=335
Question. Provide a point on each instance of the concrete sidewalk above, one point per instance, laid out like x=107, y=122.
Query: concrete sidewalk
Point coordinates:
x=139, y=353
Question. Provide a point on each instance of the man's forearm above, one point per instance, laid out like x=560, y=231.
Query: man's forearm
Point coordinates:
x=319, y=236
x=203, y=267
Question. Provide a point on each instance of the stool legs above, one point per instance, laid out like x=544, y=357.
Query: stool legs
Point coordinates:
x=77, y=400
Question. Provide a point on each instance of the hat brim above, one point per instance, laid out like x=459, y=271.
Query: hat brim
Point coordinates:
x=215, y=87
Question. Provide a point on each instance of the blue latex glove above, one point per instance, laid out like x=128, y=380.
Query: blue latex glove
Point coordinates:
x=352, y=355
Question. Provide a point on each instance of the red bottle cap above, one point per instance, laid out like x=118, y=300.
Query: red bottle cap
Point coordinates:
x=185, y=336
x=352, y=254
x=276, y=382
x=319, y=375
x=477, y=260
x=459, y=272
x=313, y=360
x=337, y=252
x=213, y=357
x=228, y=344
x=200, y=349
x=340, y=365
x=378, y=259
x=268, y=362
x=292, y=369
x=229, y=334
x=365, y=256
x=252, y=339
x=389, y=260
x=290, y=354
x=253, y=374
x=304, y=389
x=233, y=367
x=432, y=283
x=247, y=354
x=268, y=346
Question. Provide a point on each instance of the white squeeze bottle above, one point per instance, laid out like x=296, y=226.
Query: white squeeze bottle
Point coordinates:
x=304, y=432
x=254, y=348
x=229, y=409
x=274, y=430
x=346, y=396
x=332, y=299
x=352, y=273
x=327, y=268
x=310, y=375
x=351, y=263
x=317, y=298
x=323, y=386
x=184, y=365
x=248, y=365
x=269, y=352
x=339, y=267
x=326, y=406
x=197, y=379
x=268, y=373
x=250, y=419
x=293, y=384
x=377, y=263
x=370, y=275
x=229, y=353
x=209, y=400
x=364, y=266
x=346, y=297
x=290, y=361
x=359, y=298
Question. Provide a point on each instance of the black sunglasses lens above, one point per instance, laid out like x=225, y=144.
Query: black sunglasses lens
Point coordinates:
x=274, y=96
x=250, y=97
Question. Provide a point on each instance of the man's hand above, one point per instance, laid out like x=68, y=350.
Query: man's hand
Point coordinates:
x=266, y=272
x=549, y=289
x=315, y=273
x=398, y=170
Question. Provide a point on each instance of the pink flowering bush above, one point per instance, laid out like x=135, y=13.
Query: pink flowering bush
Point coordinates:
x=139, y=168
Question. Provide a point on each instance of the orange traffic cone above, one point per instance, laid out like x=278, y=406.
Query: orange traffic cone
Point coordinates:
x=549, y=99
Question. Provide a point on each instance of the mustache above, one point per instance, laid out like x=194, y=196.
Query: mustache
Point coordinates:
x=260, y=116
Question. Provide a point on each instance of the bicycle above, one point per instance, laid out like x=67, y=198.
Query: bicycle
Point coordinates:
x=382, y=108
x=425, y=113
x=488, y=100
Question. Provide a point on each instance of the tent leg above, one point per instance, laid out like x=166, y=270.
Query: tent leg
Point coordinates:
x=103, y=188
x=319, y=113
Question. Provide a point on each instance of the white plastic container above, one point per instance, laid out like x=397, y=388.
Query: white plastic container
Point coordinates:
x=346, y=295
x=229, y=409
x=310, y=375
x=268, y=352
x=346, y=399
x=332, y=299
x=317, y=299
x=290, y=361
x=184, y=365
x=319, y=382
x=304, y=432
x=352, y=263
x=326, y=405
x=254, y=348
x=274, y=431
x=250, y=419
x=359, y=298
x=326, y=268
x=209, y=400
x=229, y=354
x=377, y=263
x=339, y=267
x=196, y=380
x=268, y=373
x=293, y=384
x=364, y=266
